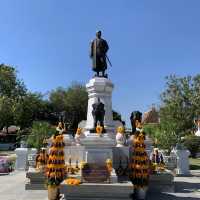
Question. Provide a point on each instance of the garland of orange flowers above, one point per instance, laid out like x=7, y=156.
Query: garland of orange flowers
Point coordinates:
x=139, y=162
x=56, y=163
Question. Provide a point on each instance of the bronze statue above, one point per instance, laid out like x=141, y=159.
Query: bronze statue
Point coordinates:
x=99, y=48
x=135, y=116
x=98, y=113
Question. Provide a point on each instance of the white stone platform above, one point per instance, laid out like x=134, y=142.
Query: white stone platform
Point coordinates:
x=161, y=182
x=35, y=180
x=90, y=191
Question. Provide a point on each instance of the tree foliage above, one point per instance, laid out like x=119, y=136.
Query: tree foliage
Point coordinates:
x=72, y=100
x=39, y=132
x=192, y=143
x=180, y=104
x=17, y=105
x=10, y=86
x=6, y=111
x=27, y=109
x=116, y=115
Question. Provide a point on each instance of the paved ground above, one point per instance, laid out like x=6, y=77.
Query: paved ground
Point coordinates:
x=12, y=188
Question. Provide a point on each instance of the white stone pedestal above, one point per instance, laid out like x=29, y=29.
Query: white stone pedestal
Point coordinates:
x=21, y=161
x=102, y=88
x=98, y=148
x=22, y=157
x=68, y=140
x=182, y=162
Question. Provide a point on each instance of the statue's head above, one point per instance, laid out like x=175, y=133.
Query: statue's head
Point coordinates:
x=98, y=34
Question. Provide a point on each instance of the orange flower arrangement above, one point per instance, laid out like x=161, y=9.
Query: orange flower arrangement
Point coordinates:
x=72, y=181
x=109, y=165
x=79, y=131
x=55, y=171
x=99, y=129
x=140, y=161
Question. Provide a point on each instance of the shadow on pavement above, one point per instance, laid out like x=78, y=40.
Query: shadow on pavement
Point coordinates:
x=181, y=188
x=163, y=196
x=185, y=187
x=4, y=174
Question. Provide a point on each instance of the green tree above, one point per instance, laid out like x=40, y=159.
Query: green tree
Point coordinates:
x=73, y=101
x=17, y=105
x=6, y=112
x=179, y=106
x=192, y=143
x=27, y=109
x=116, y=116
x=10, y=85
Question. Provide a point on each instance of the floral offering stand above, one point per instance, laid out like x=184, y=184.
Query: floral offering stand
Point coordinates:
x=55, y=170
x=139, y=173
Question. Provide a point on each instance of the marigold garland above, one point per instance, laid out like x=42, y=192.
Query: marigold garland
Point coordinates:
x=139, y=162
x=56, y=163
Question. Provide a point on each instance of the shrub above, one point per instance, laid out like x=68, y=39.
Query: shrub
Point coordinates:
x=192, y=143
x=39, y=132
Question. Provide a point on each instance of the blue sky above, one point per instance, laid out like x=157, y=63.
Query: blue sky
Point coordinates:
x=48, y=42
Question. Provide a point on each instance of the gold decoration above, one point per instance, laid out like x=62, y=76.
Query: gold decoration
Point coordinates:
x=82, y=164
x=72, y=181
x=99, y=129
x=120, y=129
x=109, y=165
x=79, y=131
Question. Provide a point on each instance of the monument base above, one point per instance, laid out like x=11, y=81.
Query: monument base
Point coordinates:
x=161, y=182
x=98, y=148
x=94, y=191
x=36, y=180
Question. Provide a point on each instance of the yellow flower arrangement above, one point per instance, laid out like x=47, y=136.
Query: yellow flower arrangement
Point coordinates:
x=99, y=129
x=109, y=165
x=79, y=131
x=72, y=181
x=82, y=164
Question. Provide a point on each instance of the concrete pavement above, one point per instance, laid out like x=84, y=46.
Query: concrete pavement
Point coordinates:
x=12, y=187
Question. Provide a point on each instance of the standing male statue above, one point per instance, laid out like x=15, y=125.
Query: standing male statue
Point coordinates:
x=98, y=113
x=99, y=48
